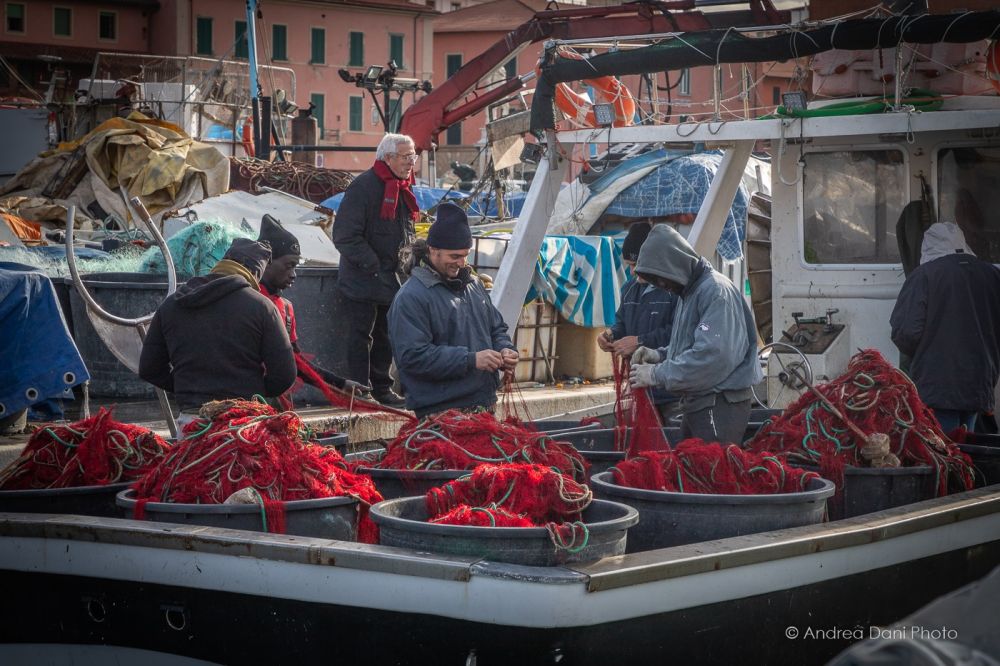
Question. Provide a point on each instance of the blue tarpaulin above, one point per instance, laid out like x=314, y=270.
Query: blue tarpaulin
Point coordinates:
x=428, y=197
x=40, y=359
x=679, y=186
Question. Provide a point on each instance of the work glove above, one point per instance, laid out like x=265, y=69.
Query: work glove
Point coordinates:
x=642, y=376
x=644, y=355
x=352, y=386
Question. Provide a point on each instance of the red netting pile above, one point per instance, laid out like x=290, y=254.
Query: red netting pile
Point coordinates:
x=504, y=495
x=340, y=398
x=457, y=440
x=635, y=413
x=878, y=398
x=93, y=452
x=711, y=468
x=242, y=444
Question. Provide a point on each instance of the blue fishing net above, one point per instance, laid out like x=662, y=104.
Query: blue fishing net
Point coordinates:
x=195, y=249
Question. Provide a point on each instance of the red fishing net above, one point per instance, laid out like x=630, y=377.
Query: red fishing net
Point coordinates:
x=638, y=426
x=711, y=468
x=457, y=440
x=242, y=444
x=93, y=452
x=479, y=516
x=877, y=398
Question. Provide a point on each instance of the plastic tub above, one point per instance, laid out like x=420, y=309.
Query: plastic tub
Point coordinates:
x=985, y=453
x=867, y=490
x=672, y=519
x=326, y=517
x=402, y=523
x=337, y=440
x=320, y=328
x=124, y=294
x=394, y=483
x=82, y=500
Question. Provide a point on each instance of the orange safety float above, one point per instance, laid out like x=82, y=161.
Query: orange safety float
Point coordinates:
x=993, y=64
x=607, y=89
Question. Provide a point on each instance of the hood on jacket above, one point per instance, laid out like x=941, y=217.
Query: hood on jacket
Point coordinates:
x=667, y=254
x=942, y=239
x=202, y=291
x=430, y=277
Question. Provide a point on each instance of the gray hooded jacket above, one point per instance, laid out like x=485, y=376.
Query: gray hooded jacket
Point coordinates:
x=713, y=345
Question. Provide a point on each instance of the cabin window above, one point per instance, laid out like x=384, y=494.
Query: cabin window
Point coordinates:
x=356, y=56
x=356, y=110
x=396, y=50
x=15, y=17
x=684, y=85
x=107, y=25
x=62, y=21
x=241, y=48
x=850, y=204
x=968, y=185
x=203, y=36
x=318, y=50
x=279, y=42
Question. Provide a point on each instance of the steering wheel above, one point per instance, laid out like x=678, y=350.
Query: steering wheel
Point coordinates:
x=795, y=375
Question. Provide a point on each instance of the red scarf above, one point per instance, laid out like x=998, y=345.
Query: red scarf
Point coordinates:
x=394, y=187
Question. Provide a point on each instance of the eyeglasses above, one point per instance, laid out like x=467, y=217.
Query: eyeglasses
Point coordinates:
x=407, y=157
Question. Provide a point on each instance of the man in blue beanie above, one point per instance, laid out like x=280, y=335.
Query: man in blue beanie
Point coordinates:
x=448, y=340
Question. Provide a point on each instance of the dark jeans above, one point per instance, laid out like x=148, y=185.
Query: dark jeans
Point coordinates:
x=950, y=419
x=367, y=347
x=724, y=422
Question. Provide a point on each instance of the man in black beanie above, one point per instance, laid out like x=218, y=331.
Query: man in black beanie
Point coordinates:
x=449, y=341
x=280, y=275
x=217, y=337
x=644, y=317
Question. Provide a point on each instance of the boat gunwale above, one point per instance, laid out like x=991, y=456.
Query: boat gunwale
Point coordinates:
x=606, y=574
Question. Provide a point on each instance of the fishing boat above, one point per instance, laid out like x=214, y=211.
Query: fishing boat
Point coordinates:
x=90, y=589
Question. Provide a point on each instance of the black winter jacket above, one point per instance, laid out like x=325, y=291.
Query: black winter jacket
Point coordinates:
x=436, y=331
x=648, y=313
x=947, y=317
x=369, y=244
x=217, y=338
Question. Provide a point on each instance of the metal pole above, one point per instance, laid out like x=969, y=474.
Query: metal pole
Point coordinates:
x=252, y=47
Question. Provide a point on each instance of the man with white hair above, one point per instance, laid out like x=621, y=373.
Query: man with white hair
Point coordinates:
x=374, y=222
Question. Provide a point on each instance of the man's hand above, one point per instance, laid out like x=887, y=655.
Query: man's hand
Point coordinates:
x=625, y=346
x=352, y=386
x=510, y=357
x=605, y=341
x=642, y=376
x=645, y=355
x=489, y=360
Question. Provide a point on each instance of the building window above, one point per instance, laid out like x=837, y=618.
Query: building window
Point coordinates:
x=850, y=203
x=319, y=109
x=396, y=50
x=684, y=85
x=203, y=36
x=62, y=21
x=355, y=122
x=510, y=69
x=15, y=17
x=453, y=63
x=279, y=42
x=241, y=45
x=776, y=95
x=318, y=56
x=107, y=25
x=456, y=5
x=453, y=137
x=356, y=57
x=394, y=114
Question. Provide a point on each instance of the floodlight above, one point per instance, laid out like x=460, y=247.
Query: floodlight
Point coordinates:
x=372, y=73
x=604, y=114
x=794, y=101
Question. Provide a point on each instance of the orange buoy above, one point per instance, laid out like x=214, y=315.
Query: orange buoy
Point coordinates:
x=608, y=89
x=993, y=65
x=248, y=137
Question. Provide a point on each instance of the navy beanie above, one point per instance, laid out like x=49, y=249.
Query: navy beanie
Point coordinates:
x=252, y=255
x=633, y=241
x=281, y=240
x=450, y=230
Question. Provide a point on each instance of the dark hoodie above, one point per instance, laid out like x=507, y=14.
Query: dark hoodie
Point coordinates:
x=217, y=338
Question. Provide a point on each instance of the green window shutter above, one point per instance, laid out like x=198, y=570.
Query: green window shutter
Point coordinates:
x=279, y=42
x=320, y=111
x=356, y=57
x=356, y=122
x=241, y=48
x=15, y=17
x=62, y=21
x=510, y=69
x=453, y=63
x=107, y=25
x=394, y=114
x=453, y=137
x=318, y=46
x=396, y=50
x=203, y=36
